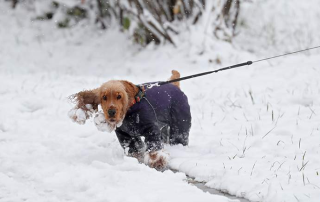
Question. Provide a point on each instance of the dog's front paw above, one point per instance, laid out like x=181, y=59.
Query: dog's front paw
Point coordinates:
x=157, y=159
x=101, y=123
x=79, y=115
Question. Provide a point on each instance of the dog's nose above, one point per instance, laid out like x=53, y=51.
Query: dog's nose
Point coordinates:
x=111, y=112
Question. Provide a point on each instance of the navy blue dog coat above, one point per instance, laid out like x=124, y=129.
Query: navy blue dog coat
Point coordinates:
x=161, y=116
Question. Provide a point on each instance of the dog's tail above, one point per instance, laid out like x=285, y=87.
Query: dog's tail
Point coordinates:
x=175, y=75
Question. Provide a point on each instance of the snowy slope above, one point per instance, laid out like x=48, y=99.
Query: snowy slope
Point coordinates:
x=255, y=129
x=43, y=155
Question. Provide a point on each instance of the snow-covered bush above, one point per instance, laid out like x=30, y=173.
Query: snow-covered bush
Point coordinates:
x=145, y=21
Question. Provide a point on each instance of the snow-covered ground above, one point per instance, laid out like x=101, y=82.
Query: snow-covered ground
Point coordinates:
x=255, y=130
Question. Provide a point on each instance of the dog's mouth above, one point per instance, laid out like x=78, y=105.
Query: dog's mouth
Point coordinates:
x=114, y=122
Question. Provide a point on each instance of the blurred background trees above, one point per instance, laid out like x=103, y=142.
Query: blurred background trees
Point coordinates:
x=145, y=20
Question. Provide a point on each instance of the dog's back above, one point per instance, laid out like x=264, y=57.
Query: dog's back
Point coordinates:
x=166, y=99
x=172, y=109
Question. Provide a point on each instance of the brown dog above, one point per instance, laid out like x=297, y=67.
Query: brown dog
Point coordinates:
x=116, y=98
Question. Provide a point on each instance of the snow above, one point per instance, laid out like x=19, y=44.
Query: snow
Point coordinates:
x=255, y=130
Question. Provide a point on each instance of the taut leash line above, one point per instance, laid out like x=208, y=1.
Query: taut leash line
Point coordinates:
x=230, y=67
x=205, y=73
x=286, y=54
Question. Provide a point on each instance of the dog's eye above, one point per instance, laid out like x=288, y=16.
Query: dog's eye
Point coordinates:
x=118, y=97
x=104, y=97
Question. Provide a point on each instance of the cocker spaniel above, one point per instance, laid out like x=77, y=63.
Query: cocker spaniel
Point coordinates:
x=160, y=114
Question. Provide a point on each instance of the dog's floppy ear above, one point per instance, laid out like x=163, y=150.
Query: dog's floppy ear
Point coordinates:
x=131, y=89
x=86, y=97
x=86, y=104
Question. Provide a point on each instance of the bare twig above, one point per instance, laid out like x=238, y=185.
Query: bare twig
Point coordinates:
x=253, y=168
x=14, y=3
x=269, y=131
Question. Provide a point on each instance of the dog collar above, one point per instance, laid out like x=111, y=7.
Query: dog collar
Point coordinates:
x=139, y=95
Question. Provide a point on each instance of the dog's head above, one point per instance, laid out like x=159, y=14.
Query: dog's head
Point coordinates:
x=114, y=97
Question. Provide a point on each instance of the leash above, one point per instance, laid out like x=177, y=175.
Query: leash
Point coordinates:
x=160, y=83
